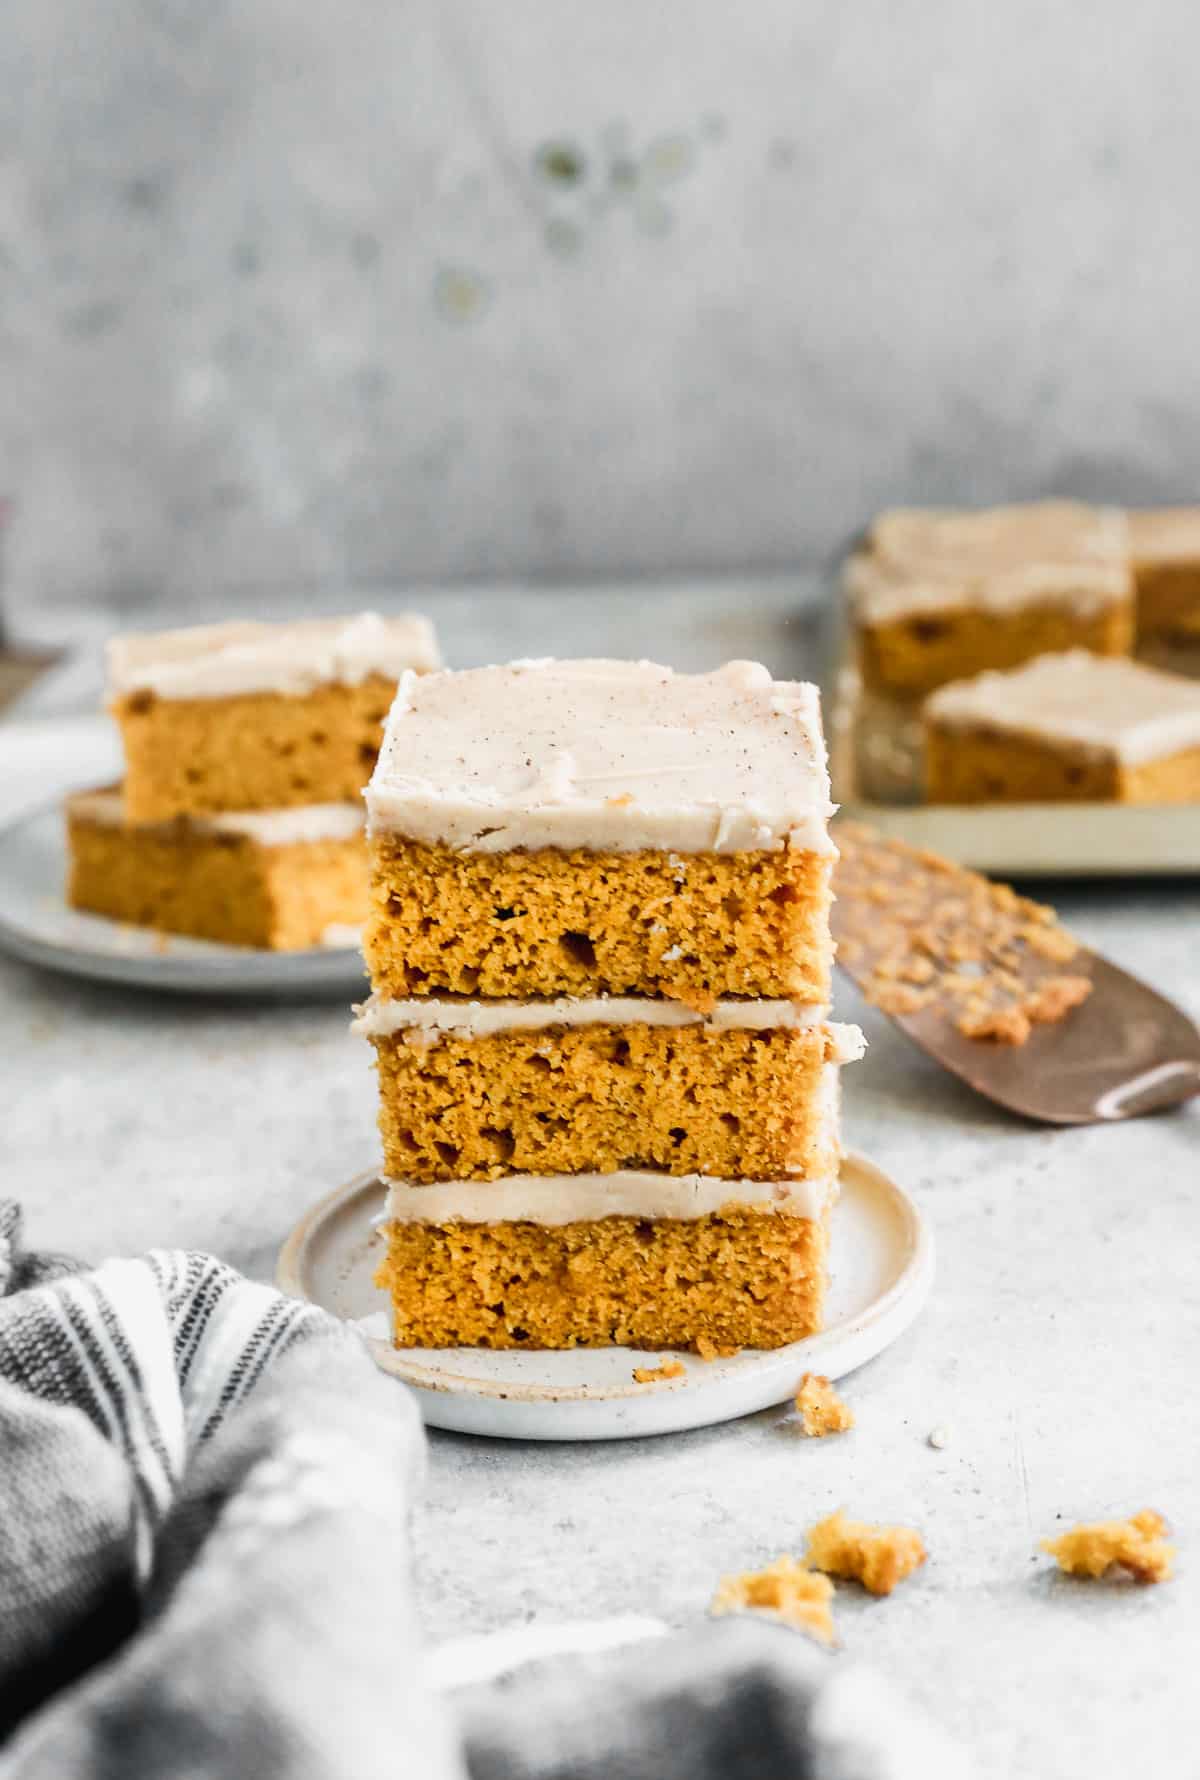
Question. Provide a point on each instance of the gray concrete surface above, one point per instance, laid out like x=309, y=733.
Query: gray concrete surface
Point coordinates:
x=1060, y=1350
x=300, y=295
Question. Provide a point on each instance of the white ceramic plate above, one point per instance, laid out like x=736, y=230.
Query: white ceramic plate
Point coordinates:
x=882, y=1270
x=37, y=925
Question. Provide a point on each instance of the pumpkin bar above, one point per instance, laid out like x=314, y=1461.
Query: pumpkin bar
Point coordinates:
x=284, y=880
x=937, y=595
x=548, y=829
x=1070, y=727
x=250, y=716
x=477, y=1090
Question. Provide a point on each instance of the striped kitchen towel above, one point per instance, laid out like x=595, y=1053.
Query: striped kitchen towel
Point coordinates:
x=204, y=1552
x=205, y=1573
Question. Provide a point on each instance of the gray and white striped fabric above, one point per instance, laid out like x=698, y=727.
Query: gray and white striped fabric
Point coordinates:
x=205, y=1572
x=204, y=1552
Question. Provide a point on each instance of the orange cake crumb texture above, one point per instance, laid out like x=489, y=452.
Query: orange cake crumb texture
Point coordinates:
x=1166, y=564
x=786, y=1588
x=1138, y=1545
x=916, y=931
x=255, y=751
x=878, y=1557
x=914, y=655
x=738, y=1279
x=742, y=1105
x=652, y=1374
x=549, y=922
x=820, y=1409
x=982, y=765
x=220, y=887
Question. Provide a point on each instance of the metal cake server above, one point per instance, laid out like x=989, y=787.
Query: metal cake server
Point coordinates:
x=1124, y=1051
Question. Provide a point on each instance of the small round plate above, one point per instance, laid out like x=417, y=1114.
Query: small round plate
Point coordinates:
x=881, y=1262
x=37, y=926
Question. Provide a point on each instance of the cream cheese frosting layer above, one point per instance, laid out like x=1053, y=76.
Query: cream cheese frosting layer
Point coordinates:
x=224, y=660
x=583, y=1198
x=463, y=1018
x=614, y=756
x=998, y=560
x=269, y=828
x=1103, y=705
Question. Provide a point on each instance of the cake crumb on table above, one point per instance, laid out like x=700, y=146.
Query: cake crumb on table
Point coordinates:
x=652, y=1374
x=786, y=1588
x=878, y=1557
x=820, y=1409
x=1138, y=1545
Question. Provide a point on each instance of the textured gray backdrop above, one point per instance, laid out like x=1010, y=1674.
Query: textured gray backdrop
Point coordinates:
x=315, y=294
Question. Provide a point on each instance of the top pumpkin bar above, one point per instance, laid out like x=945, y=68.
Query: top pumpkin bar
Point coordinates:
x=251, y=716
x=579, y=827
x=943, y=594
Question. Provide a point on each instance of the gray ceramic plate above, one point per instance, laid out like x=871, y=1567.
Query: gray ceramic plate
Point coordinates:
x=881, y=1251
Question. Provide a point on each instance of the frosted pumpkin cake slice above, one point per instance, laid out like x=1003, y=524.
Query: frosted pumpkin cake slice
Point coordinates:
x=1065, y=728
x=279, y=880
x=249, y=716
x=600, y=953
x=939, y=594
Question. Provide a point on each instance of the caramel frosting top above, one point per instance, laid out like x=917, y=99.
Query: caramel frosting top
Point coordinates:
x=1104, y=705
x=223, y=660
x=605, y=755
x=1000, y=559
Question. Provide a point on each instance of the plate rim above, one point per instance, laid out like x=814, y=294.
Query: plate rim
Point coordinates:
x=913, y=1281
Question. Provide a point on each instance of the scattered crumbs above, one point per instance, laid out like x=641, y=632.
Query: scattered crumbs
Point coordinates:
x=652, y=1374
x=713, y=1350
x=619, y=803
x=820, y=1409
x=878, y=1557
x=788, y=1589
x=939, y=1438
x=1138, y=1545
x=918, y=932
